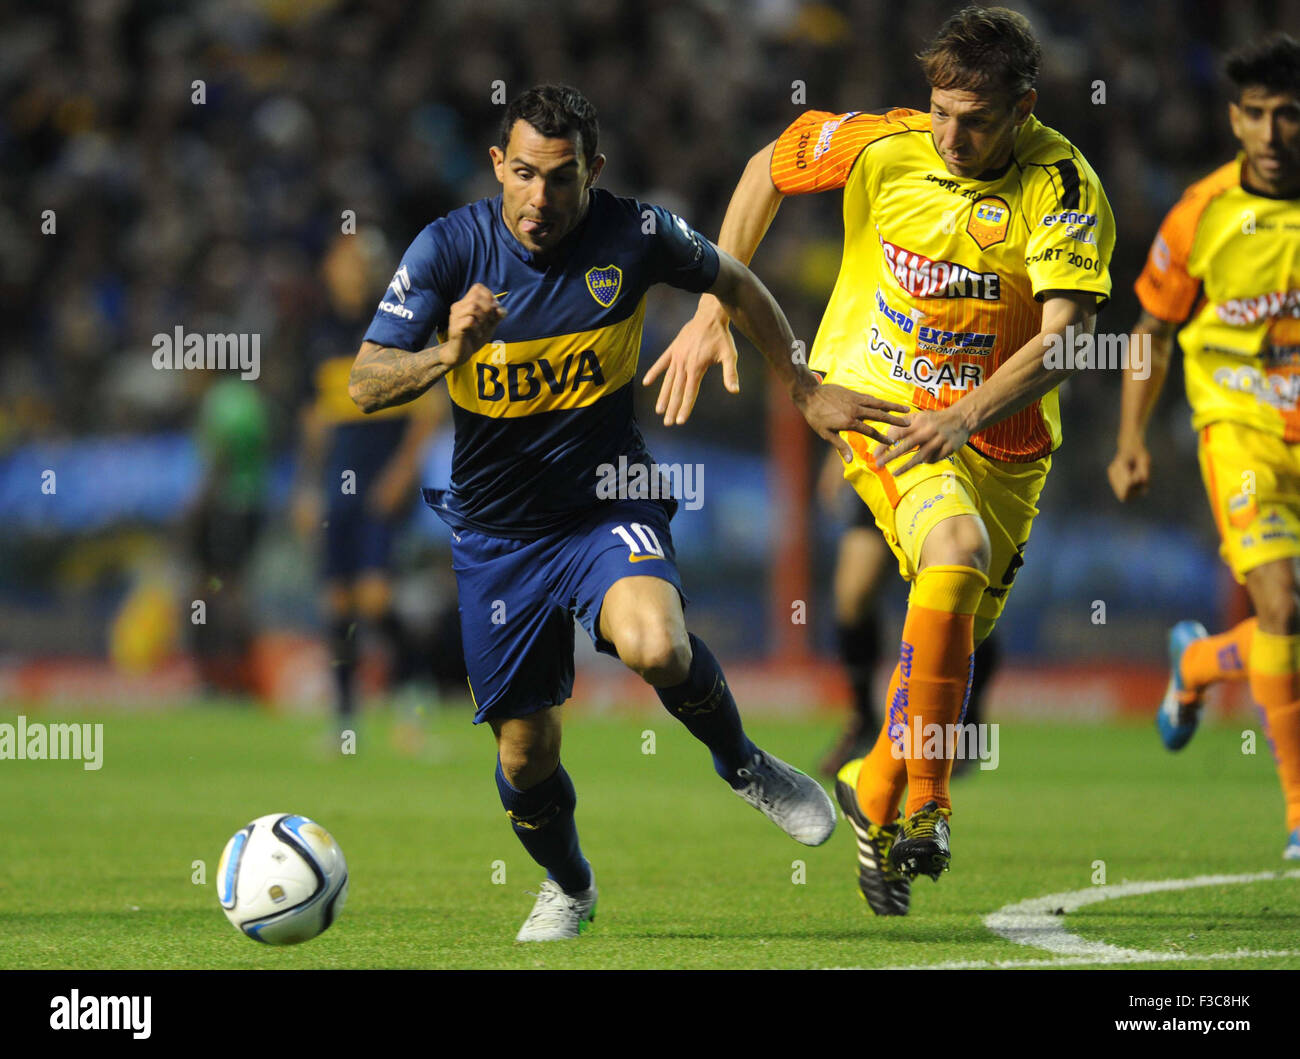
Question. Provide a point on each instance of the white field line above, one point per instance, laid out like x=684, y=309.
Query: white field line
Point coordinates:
x=1093, y=961
x=1039, y=922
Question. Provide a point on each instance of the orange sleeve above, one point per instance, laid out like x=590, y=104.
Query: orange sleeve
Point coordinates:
x=817, y=151
x=1166, y=289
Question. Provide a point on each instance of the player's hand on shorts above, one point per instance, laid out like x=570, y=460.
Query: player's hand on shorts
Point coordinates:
x=470, y=324
x=1130, y=470
x=930, y=437
x=704, y=341
x=830, y=409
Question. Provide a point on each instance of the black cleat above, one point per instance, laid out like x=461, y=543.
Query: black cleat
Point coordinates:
x=922, y=846
x=887, y=891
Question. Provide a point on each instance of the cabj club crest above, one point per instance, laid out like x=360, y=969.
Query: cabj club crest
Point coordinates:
x=604, y=282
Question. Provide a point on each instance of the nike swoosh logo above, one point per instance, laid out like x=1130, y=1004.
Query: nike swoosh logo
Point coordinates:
x=642, y=558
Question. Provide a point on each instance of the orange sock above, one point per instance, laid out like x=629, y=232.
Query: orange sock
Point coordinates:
x=883, y=777
x=1275, y=684
x=938, y=641
x=1215, y=658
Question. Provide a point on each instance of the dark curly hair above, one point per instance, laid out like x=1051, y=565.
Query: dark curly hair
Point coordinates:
x=554, y=110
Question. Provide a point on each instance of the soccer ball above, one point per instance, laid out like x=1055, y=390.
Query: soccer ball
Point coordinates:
x=282, y=879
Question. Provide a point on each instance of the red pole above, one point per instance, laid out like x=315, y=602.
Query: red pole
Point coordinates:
x=789, y=602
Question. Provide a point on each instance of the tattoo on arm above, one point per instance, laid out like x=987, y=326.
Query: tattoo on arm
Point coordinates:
x=383, y=376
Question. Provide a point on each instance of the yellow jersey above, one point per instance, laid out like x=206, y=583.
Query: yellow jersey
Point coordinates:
x=941, y=276
x=1226, y=265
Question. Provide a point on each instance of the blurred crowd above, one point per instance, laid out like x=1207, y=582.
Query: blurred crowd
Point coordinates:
x=200, y=160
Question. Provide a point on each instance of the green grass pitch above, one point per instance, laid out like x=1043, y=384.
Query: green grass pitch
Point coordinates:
x=98, y=867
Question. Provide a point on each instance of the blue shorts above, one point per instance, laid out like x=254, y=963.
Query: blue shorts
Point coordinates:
x=356, y=540
x=518, y=599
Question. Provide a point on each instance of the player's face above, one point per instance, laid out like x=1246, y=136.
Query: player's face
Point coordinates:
x=1268, y=126
x=974, y=132
x=544, y=182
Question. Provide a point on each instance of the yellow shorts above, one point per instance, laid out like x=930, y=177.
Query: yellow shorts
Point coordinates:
x=1001, y=495
x=1253, y=482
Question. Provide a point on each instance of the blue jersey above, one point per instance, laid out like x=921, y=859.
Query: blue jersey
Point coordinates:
x=549, y=400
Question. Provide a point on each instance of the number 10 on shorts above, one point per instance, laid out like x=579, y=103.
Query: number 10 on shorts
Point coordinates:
x=645, y=545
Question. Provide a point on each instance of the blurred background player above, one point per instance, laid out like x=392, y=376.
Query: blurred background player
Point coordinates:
x=862, y=564
x=233, y=436
x=358, y=477
x=1224, y=273
x=955, y=282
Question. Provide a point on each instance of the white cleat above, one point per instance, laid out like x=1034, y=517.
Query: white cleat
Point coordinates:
x=558, y=915
x=793, y=801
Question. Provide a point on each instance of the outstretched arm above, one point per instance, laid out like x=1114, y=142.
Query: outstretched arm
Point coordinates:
x=828, y=409
x=706, y=339
x=818, y=152
x=752, y=208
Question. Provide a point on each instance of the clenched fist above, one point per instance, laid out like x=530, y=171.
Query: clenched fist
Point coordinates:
x=470, y=325
x=1130, y=470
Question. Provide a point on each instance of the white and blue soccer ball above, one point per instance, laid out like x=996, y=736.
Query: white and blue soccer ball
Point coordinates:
x=282, y=879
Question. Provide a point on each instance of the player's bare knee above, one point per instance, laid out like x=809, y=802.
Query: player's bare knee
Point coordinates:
x=974, y=549
x=525, y=765
x=978, y=558
x=528, y=748
x=1274, y=595
x=958, y=542
x=1279, y=612
x=673, y=665
x=658, y=653
x=532, y=774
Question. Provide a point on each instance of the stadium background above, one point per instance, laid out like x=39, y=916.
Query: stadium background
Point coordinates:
x=226, y=217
